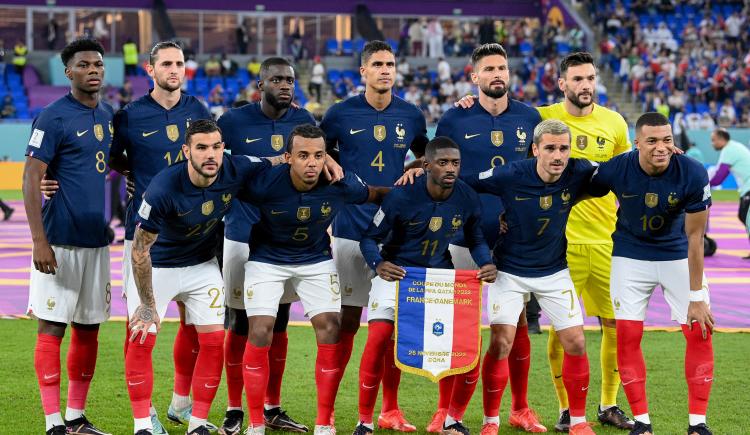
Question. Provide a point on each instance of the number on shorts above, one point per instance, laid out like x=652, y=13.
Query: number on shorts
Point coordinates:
x=572, y=299
x=214, y=293
x=545, y=223
x=335, y=284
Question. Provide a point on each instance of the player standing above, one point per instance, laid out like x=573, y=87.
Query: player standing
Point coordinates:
x=70, y=280
x=492, y=133
x=664, y=201
x=290, y=243
x=405, y=226
x=371, y=134
x=173, y=258
x=257, y=129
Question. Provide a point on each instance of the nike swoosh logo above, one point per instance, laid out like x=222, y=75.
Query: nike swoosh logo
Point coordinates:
x=86, y=375
x=708, y=379
x=279, y=359
x=132, y=384
x=626, y=196
x=51, y=376
x=494, y=391
x=251, y=140
x=81, y=133
x=617, y=371
x=277, y=212
x=368, y=387
x=147, y=134
x=469, y=136
x=210, y=386
x=352, y=131
x=520, y=198
x=468, y=382
x=329, y=370
x=584, y=388
x=252, y=368
x=558, y=377
x=183, y=214
x=628, y=382
x=233, y=364
x=416, y=223
x=571, y=315
x=524, y=358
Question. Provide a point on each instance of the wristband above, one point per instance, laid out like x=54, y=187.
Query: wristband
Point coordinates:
x=698, y=295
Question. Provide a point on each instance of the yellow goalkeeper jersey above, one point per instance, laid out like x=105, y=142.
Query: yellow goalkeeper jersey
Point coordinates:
x=598, y=136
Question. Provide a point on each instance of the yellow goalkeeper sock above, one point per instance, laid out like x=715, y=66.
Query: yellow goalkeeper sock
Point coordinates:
x=610, y=375
x=555, y=354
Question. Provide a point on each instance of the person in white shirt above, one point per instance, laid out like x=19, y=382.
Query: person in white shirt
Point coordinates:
x=443, y=69
x=316, y=78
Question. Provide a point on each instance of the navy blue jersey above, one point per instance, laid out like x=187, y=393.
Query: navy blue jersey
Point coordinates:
x=651, y=217
x=488, y=141
x=536, y=213
x=152, y=136
x=185, y=216
x=293, y=226
x=373, y=144
x=415, y=229
x=248, y=131
x=74, y=141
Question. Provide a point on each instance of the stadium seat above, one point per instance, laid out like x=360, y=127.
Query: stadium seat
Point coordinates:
x=526, y=48
x=334, y=75
x=359, y=45
x=393, y=43
x=332, y=47
x=563, y=48
x=347, y=47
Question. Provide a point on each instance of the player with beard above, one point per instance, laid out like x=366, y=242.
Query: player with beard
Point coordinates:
x=256, y=129
x=598, y=134
x=495, y=132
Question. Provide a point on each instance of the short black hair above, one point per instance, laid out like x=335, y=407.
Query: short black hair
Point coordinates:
x=485, y=50
x=83, y=44
x=373, y=47
x=575, y=59
x=201, y=126
x=722, y=133
x=273, y=61
x=308, y=131
x=652, y=119
x=161, y=46
x=439, y=143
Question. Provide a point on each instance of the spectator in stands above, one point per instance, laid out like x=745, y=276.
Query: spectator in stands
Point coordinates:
x=317, y=77
x=253, y=67
x=422, y=78
x=242, y=36
x=51, y=33
x=130, y=57
x=228, y=66
x=191, y=68
x=403, y=40
x=125, y=94
x=9, y=109
x=463, y=87
x=443, y=70
x=727, y=114
x=7, y=210
x=416, y=36
x=212, y=67
x=413, y=95
x=2, y=58
x=435, y=38
x=434, y=110
x=403, y=71
x=19, y=56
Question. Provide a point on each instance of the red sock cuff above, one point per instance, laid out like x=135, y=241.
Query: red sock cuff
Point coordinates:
x=82, y=353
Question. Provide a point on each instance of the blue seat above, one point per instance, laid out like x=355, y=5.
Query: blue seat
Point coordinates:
x=393, y=43
x=526, y=48
x=334, y=75
x=563, y=48
x=332, y=47
x=347, y=47
x=701, y=108
x=359, y=45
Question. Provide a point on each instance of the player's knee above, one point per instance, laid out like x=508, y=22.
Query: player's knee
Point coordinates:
x=260, y=330
x=47, y=327
x=237, y=320
x=327, y=328
x=574, y=344
x=500, y=345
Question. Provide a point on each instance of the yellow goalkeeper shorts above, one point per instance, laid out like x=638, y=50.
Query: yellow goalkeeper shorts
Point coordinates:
x=590, y=268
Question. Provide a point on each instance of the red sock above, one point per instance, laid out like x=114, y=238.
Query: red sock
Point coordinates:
x=277, y=363
x=631, y=364
x=185, y=353
x=575, y=375
x=391, y=379
x=519, y=362
x=327, y=378
x=371, y=367
x=81, y=365
x=494, y=380
x=139, y=374
x=699, y=368
x=445, y=389
x=463, y=388
x=47, y=365
x=346, y=344
x=255, y=375
x=234, y=349
x=207, y=374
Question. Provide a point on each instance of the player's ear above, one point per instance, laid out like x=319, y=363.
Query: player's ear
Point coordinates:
x=561, y=83
x=150, y=70
x=287, y=156
x=474, y=77
x=534, y=149
x=68, y=74
x=186, y=150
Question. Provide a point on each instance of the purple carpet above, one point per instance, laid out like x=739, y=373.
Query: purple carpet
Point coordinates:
x=728, y=273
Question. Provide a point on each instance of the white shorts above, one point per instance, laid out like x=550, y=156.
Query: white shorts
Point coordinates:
x=633, y=282
x=127, y=266
x=235, y=257
x=382, y=305
x=462, y=259
x=354, y=274
x=199, y=287
x=316, y=284
x=80, y=290
x=555, y=293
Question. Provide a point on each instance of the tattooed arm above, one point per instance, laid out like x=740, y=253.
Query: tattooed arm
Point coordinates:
x=145, y=315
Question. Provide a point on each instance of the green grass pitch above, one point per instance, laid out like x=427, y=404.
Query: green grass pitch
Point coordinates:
x=109, y=408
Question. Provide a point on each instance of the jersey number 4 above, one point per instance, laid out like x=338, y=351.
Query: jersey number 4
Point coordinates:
x=377, y=162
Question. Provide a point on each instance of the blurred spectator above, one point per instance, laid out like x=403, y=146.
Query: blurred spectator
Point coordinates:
x=191, y=68
x=417, y=37
x=228, y=66
x=463, y=87
x=19, y=56
x=51, y=33
x=2, y=58
x=253, y=67
x=216, y=101
x=9, y=109
x=413, y=95
x=317, y=77
x=130, y=57
x=125, y=94
x=243, y=37
x=434, y=110
x=212, y=67
x=435, y=38
x=443, y=69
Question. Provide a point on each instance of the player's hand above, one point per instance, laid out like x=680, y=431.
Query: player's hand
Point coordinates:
x=143, y=318
x=409, y=176
x=44, y=258
x=487, y=273
x=48, y=187
x=675, y=149
x=129, y=185
x=699, y=312
x=503, y=225
x=332, y=170
x=466, y=101
x=389, y=271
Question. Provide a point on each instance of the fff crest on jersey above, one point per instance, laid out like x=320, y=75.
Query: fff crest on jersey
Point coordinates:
x=226, y=197
x=565, y=196
x=111, y=128
x=496, y=136
x=99, y=132
x=456, y=222
x=400, y=131
x=673, y=200
x=652, y=200
x=208, y=207
x=582, y=142
x=379, y=133
x=303, y=213
x=277, y=142
x=435, y=223
x=600, y=142
x=521, y=135
x=545, y=202
x=325, y=209
x=173, y=133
